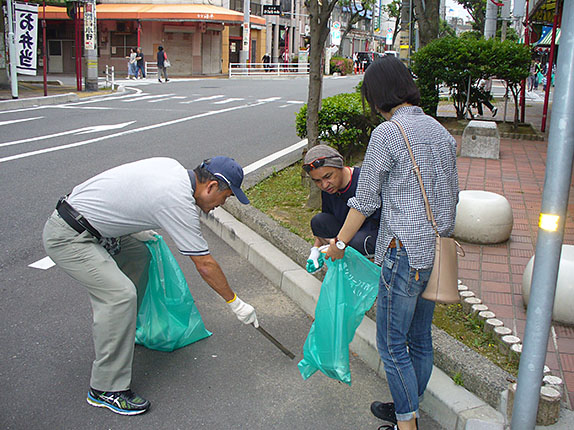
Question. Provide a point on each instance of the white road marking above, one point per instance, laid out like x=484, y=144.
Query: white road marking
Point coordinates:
x=83, y=130
x=229, y=100
x=14, y=121
x=43, y=264
x=164, y=99
x=133, y=131
x=202, y=99
x=153, y=96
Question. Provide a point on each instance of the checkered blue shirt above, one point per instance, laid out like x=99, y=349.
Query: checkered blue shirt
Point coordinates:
x=387, y=180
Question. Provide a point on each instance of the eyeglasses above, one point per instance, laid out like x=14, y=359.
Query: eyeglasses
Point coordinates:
x=316, y=163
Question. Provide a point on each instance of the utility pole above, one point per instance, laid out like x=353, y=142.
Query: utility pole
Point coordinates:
x=90, y=45
x=245, y=46
x=404, y=34
x=12, y=50
x=490, y=23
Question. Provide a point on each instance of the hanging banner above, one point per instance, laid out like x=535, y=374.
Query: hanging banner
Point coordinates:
x=26, y=37
x=90, y=25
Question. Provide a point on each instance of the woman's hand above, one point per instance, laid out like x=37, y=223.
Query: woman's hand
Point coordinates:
x=333, y=252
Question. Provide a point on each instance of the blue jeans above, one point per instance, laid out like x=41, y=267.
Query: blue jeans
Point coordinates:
x=404, y=331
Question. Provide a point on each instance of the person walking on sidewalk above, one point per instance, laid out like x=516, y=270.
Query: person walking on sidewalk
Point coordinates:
x=162, y=63
x=96, y=235
x=483, y=97
x=338, y=184
x=406, y=242
x=132, y=64
x=140, y=63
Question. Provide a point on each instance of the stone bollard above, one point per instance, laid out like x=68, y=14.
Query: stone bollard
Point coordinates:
x=468, y=303
x=515, y=351
x=548, y=405
x=462, y=287
x=480, y=139
x=491, y=323
x=476, y=309
x=484, y=315
x=506, y=343
x=465, y=294
x=556, y=383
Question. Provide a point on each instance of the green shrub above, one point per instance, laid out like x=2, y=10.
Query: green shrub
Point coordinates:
x=342, y=123
x=342, y=65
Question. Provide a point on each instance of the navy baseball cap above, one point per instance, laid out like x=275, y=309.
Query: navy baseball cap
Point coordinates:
x=230, y=172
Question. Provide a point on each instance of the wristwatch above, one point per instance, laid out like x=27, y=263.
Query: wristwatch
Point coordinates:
x=340, y=244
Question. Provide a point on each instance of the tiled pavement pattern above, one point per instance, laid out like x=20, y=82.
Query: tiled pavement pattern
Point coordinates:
x=494, y=272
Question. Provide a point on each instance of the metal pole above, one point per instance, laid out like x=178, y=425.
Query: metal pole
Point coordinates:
x=490, y=20
x=523, y=83
x=245, y=46
x=550, y=233
x=44, y=58
x=12, y=50
x=549, y=71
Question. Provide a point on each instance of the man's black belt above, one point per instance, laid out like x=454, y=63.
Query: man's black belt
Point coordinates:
x=75, y=219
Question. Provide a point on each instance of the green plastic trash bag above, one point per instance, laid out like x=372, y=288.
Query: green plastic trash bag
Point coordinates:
x=167, y=318
x=349, y=289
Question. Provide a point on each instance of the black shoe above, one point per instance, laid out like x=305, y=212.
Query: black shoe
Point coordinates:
x=120, y=402
x=388, y=427
x=384, y=411
x=167, y=80
x=159, y=80
x=494, y=111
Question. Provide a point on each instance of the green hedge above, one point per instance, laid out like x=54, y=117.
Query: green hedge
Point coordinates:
x=343, y=123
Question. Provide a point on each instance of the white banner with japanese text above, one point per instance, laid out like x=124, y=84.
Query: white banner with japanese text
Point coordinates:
x=90, y=25
x=26, y=37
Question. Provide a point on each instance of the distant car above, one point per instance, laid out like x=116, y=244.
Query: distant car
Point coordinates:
x=393, y=53
x=366, y=58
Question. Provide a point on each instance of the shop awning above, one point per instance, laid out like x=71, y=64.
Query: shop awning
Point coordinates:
x=546, y=40
x=161, y=12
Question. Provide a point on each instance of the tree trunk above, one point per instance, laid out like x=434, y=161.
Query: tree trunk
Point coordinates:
x=319, y=26
x=427, y=14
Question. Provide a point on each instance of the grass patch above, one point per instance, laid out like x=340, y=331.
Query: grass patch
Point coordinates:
x=283, y=198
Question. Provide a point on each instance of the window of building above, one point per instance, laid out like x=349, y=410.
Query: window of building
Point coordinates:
x=121, y=43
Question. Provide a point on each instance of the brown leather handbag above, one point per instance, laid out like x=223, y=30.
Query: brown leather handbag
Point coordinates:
x=442, y=286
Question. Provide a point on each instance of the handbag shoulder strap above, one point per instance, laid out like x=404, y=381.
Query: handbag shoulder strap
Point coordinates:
x=417, y=171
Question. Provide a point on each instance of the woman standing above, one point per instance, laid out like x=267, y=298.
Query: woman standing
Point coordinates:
x=161, y=63
x=406, y=240
x=132, y=66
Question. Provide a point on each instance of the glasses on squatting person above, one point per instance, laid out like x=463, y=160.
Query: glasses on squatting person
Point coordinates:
x=316, y=163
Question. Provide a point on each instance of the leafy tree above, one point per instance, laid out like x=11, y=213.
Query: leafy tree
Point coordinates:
x=393, y=10
x=477, y=10
x=445, y=30
x=356, y=11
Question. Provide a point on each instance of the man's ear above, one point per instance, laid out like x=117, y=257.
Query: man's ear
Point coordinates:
x=212, y=186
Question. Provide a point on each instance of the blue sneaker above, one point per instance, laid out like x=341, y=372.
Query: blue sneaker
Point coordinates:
x=120, y=402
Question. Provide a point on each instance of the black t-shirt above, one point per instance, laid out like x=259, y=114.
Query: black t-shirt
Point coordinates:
x=160, y=58
x=336, y=204
x=141, y=59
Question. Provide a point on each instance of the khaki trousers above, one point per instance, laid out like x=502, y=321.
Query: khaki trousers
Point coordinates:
x=116, y=286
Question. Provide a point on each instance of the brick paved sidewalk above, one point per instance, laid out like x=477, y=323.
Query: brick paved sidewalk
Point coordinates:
x=494, y=273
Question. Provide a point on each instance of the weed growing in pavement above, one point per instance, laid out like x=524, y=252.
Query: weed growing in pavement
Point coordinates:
x=283, y=198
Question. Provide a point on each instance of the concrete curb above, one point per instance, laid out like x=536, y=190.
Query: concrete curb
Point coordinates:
x=450, y=405
x=38, y=101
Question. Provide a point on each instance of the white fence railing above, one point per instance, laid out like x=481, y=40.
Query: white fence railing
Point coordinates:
x=110, y=77
x=268, y=69
x=150, y=68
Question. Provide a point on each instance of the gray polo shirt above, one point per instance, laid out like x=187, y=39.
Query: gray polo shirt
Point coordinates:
x=143, y=195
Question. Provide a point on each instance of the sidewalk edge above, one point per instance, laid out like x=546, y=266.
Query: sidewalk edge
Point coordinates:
x=38, y=101
x=450, y=405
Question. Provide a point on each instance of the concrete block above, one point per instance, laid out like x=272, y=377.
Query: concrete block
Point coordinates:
x=270, y=261
x=491, y=323
x=469, y=302
x=302, y=288
x=364, y=344
x=483, y=217
x=564, y=296
x=480, y=139
x=481, y=418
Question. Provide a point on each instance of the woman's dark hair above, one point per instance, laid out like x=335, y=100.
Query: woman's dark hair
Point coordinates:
x=388, y=83
x=160, y=48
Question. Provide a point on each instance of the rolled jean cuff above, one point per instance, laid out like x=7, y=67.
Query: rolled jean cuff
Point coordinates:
x=408, y=416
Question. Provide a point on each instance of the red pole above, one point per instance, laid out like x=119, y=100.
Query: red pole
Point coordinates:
x=76, y=25
x=44, y=59
x=523, y=83
x=549, y=71
x=80, y=40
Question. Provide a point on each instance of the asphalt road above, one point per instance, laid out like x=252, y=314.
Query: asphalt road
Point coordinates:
x=233, y=380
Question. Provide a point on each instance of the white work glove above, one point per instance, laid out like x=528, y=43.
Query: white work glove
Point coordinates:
x=315, y=260
x=145, y=236
x=244, y=311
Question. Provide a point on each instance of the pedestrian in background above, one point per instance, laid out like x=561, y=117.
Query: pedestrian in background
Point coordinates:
x=406, y=241
x=483, y=97
x=140, y=63
x=96, y=236
x=132, y=64
x=162, y=63
x=266, y=61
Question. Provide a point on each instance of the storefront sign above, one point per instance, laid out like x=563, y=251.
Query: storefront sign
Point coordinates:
x=90, y=25
x=26, y=37
x=271, y=9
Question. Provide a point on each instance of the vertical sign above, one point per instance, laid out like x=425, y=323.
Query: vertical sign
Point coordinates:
x=90, y=25
x=246, y=38
x=26, y=38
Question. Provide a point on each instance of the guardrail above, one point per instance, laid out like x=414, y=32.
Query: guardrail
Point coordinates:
x=150, y=68
x=268, y=69
x=110, y=77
